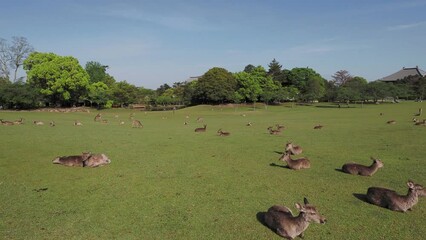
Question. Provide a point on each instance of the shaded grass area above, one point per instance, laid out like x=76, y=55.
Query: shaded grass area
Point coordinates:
x=168, y=182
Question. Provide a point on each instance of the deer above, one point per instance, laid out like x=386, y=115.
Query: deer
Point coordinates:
x=358, y=169
x=420, y=123
x=52, y=123
x=203, y=129
x=38, y=123
x=391, y=122
x=296, y=164
x=6, y=123
x=200, y=119
x=73, y=161
x=97, y=118
x=273, y=131
x=19, y=122
x=294, y=149
x=281, y=220
x=122, y=123
x=387, y=198
x=222, y=133
x=104, y=121
x=319, y=126
x=78, y=123
x=249, y=124
x=96, y=160
x=136, y=124
x=280, y=127
x=421, y=193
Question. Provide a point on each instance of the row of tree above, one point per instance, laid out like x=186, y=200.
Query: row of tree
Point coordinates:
x=54, y=80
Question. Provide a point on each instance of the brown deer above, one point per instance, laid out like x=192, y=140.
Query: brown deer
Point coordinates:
x=200, y=119
x=203, y=129
x=78, y=123
x=281, y=220
x=249, y=124
x=222, y=133
x=19, y=122
x=38, y=123
x=294, y=149
x=319, y=126
x=98, y=117
x=296, y=164
x=391, y=122
x=421, y=193
x=273, y=131
x=136, y=124
x=52, y=123
x=104, y=121
x=390, y=199
x=6, y=123
x=420, y=123
x=358, y=169
x=280, y=127
x=72, y=161
x=96, y=160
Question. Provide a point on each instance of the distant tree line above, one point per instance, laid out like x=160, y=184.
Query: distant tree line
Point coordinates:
x=60, y=81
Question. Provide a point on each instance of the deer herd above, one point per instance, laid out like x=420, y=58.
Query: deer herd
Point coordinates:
x=279, y=219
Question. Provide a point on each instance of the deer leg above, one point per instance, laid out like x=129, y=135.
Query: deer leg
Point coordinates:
x=283, y=233
x=302, y=235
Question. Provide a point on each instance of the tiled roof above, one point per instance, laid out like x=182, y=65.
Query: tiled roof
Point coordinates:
x=404, y=72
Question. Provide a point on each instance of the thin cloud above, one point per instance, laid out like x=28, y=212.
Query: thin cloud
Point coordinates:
x=406, y=26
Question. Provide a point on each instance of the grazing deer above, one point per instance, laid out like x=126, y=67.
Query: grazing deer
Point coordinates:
x=38, y=123
x=222, y=133
x=136, y=124
x=391, y=122
x=6, y=123
x=319, y=126
x=294, y=149
x=98, y=117
x=203, y=129
x=296, y=164
x=273, y=131
x=72, y=161
x=390, y=199
x=19, y=122
x=52, y=123
x=249, y=124
x=77, y=123
x=358, y=169
x=281, y=220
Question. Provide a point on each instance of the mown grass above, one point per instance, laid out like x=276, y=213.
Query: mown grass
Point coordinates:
x=168, y=182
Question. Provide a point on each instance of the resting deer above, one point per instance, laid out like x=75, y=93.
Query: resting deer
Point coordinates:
x=104, y=121
x=273, y=131
x=249, y=124
x=294, y=149
x=281, y=220
x=6, y=123
x=358, y=169
x=280, y=127
x=73, y=161
x=203, y=129
x=318, y=126
x=391, y=122
x=200, y=119
x=19, y=122
x=421, y=193
x=390, y=199
x=420, y=123
x=38, y=123
x=98, y=117
x=296, y=164
x=78, y=123
x=136, y=124
x=52, y=123
x=222, y=133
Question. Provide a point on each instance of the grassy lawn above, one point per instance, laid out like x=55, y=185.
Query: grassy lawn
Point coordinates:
x=168, y=182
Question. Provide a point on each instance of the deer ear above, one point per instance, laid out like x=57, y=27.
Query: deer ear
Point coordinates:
x=305, y=200
x=410, y=184
x=300, y=207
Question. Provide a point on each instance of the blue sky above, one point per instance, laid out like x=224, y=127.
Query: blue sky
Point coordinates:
x=149, y=43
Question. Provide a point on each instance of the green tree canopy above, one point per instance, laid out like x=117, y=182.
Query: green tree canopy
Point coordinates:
x=61, y=79
x=215, y=86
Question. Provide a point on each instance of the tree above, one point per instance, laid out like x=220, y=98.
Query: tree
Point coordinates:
x=124, y=93
x=274, y=68
x=352, y=90
x=217, y=85
x=314, y=89
x=249, y=68
x=19, y=95
x=96, y=71
x=250, y=83
x=376, y=90
x=309, y=83
x=61, y=79
x=99, y=93
x=19, y=51
x=4, y=59
x=341, y=77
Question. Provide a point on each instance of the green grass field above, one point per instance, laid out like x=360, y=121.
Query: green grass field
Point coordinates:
x=168, y=182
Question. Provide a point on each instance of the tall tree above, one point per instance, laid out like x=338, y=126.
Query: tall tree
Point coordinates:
x=274, y=68
x=217, y=85
x=341, y=77
x=4, y=59
x=19, y=51
x=61, y=79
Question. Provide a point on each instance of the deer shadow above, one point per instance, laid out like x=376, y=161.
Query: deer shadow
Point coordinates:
x=339, y=170
x=278, y=152
x=276, y=165
x=361, y=196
